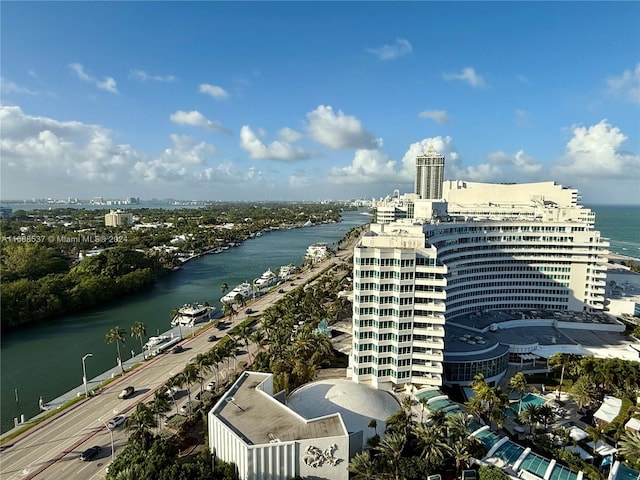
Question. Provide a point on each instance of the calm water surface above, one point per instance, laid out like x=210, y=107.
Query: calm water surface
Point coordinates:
x=46, y=359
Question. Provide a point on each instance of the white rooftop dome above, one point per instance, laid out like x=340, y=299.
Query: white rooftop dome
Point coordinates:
x=358, y=404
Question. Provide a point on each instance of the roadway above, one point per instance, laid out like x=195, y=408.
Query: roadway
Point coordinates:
x=52, y=448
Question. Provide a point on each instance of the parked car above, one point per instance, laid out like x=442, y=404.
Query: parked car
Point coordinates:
x=213, y=338
x=126, y=392
x=89, y=453
x=250, y=311
x=211, y=386
x=200, y=395
x=187, y=407
x=116, y=421
x=281, y=291
x=178, y=349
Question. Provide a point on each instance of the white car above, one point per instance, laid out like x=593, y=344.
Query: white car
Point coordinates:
x=186, y=407
x=116, y=421
x=211, y=386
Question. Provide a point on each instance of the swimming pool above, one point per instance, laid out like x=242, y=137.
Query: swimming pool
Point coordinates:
x=528, y=399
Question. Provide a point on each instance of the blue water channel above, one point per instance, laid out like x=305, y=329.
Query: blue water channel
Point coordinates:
x=46, y=359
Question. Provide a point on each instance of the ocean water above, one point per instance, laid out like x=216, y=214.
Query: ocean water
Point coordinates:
x=621, y=225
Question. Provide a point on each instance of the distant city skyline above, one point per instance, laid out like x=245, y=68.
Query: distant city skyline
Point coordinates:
x=229, y=101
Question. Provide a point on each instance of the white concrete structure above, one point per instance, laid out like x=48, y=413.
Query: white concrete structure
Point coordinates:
x=117, y=218
x=483, y=247
x=254, y=429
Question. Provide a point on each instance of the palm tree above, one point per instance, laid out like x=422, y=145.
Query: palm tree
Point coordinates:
x=243, y=331
x=563, y=361
x=140, y=423
x=518, y=383
x=431, y=443
x=373, y=424
x=116, y=334
x=139, y=330
x=203, y=364
x=392, y=447
x=228, y=310
x=363, y=467
x=462, y=453
x=458, y=426
x=530, y=415
x=629, y=447
x=160, y=404
x=423, y=401
x=190, y=375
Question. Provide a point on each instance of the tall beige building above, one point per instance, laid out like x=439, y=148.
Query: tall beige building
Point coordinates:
x=117, y=218
x=429, y=175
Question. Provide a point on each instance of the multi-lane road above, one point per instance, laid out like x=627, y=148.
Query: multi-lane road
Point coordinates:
x=52, y=449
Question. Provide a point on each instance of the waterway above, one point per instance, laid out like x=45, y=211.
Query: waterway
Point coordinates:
x=46, y=359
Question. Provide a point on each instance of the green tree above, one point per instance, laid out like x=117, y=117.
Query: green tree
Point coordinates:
x=139, y=330
x=431, y=443
x=392, y=448
x=563, y=362
x=118, y=335
x=140, y=423
x=362, y=467
x=518, y=383
x=492, y=473
x=629, y=448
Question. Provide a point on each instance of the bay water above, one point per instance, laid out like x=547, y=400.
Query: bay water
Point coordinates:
x=45, y=359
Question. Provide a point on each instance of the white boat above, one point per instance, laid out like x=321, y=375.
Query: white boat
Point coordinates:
x=245, y=289
x=268, y=279
x=190, y=314
x=286, y=271
x=308, y=223
x=153, y=341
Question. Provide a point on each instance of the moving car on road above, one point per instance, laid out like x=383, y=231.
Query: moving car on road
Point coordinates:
x=116, y=421
x=126, y=392
x=89, y=453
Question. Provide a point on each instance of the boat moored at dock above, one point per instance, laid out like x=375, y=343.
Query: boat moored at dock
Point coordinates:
x=190, y=314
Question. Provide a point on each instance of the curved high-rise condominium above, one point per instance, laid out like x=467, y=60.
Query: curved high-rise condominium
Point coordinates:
x=482, y=247
x=429, y=175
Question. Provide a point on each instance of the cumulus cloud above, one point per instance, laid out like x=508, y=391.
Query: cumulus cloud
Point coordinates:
x=215, y=91
x=196, y=119
x=289, y=135
x=520, y=161
x=143, y=76
x=400, y=48
x=438, y=116
x=468, y=75
x=595, y=152
x=339, y=131
x=626, y=85
x=276, y=150
x=367, y=166
x=107, y=83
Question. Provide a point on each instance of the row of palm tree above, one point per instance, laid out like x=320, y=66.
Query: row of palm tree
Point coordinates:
x=119, y=335
x=413, y=450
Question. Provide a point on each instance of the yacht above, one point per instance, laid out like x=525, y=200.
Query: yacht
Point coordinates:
x=153, y=341
x=286, y=271
x=243, y=289
x=190, y=314
x=268, y=279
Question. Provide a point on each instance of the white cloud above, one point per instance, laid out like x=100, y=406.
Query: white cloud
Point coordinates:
x=521, y=161
x=7, y=86
x=523, y=118
x=107, y=83
x=215, y=91
x=339, y=131
x=468, y=75
x=276, y=150
x=595, y=153
x=289, y=135
x=143, y=76
x=196, y=119
x=400, y=48
x=626, y=85
x=187, y=150
x=367, y=166
x=438, y=116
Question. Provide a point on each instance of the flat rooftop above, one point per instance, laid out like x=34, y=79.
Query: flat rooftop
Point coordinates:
x=484, y=319
x=259, y=418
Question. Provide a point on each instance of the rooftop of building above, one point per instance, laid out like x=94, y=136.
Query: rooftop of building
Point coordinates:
x=356, y=403
x=258, y=418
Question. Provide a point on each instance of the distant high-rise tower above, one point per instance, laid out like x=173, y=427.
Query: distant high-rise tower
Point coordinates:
x=429, y=175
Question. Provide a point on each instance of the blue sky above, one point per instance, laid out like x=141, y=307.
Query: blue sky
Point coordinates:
x=314, y=101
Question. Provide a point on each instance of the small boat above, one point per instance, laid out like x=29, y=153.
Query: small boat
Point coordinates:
x=308, y=223
x=266, y=280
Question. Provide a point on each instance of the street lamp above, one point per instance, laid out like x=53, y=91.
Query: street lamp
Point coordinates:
x=84, y=374
x=110, y=433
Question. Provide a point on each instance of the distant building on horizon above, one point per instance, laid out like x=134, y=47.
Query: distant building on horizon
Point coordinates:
x=117, y=218
x=453, y=249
